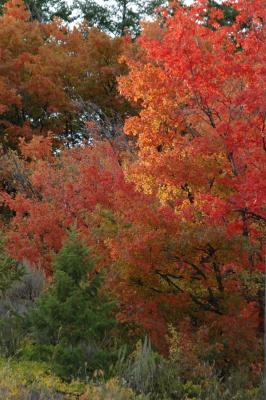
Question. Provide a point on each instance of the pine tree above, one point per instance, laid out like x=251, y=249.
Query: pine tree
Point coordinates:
x=120, y=16
x=71, y=319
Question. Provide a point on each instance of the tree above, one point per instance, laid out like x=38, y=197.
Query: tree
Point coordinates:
x=71, y=318
x=53, y=79
x=193, y=152
x=44, y=11
x=119, y=17
x=78, y=178
x=225, y=13
x=201, y=148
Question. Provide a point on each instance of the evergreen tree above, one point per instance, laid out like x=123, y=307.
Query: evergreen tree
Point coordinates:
x=118, y=17
x=71, y=320
x=46, y=10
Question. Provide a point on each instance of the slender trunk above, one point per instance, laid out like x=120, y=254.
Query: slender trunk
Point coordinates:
x=124, y=14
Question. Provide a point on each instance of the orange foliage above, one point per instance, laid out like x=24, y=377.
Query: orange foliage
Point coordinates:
x=48, y=74
x=180, y=229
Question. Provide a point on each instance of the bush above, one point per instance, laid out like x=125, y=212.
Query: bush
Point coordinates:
x=147, y=372
x=111, y=390
x=10, y=270
x=32, y=380
x=238, y=386
x=26, y=380
x=15, y=303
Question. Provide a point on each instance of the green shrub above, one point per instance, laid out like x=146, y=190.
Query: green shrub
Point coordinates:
x=15, y=303
x=238, y=386
x=11, y=333
x=145, y=371
x=10, y=270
